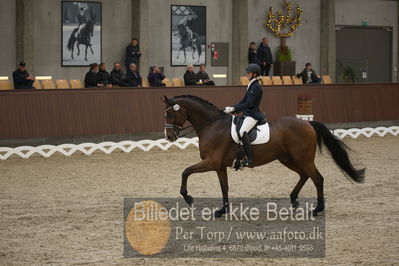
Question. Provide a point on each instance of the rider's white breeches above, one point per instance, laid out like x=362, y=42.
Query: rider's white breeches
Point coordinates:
x=247, y=125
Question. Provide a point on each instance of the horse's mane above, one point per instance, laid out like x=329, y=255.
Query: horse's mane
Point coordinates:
x=199, y=100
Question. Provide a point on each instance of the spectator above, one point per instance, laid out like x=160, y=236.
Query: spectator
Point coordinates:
x=308, y=75
x=118, y=77
x=265, y=57
x=203, y=77
x=252, y=54
x=133, y=54
x=190, y=78
x=22, y=79
x=133, y=76
x=103, y=76
x=155, y=77
x=91, y=78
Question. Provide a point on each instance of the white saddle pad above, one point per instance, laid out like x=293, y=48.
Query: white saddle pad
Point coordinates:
x=262, y=137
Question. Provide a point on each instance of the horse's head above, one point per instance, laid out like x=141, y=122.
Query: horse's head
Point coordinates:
x=175, y=117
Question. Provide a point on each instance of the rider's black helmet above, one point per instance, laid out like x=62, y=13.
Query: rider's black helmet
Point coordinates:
x=253, y=68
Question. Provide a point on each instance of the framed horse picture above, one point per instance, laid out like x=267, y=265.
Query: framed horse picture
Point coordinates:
x=81, y=33
x=188, y=35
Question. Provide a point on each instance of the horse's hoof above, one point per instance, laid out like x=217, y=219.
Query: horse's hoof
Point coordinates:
x=314, y=213
x=219, y=213
x=189, y=200
x=295, y=204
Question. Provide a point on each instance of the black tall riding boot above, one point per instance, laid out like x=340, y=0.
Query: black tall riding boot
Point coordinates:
x=248, y=150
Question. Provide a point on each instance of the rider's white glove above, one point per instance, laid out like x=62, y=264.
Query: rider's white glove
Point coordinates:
x=228, y=109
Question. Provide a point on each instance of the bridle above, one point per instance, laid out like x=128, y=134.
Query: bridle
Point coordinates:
x=177, y=129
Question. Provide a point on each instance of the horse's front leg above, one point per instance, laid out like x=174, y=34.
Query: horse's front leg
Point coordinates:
x=91, y=48
x=203, y=166
x=178, y=54
x=72, y=51
x=224, y=185
x=77, y=46
x=184, y=52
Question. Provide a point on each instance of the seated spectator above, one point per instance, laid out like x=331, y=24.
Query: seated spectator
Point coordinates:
x=22, y=79
x=253, y=54
x=91, y=78
x=203, y=77
x=103, y=76
x=133, y=76
x=308, y=75
x=190, y=78
x=155, y=77
x=117, y=76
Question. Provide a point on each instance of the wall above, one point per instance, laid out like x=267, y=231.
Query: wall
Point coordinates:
x=42, y=113
x=304, y=45
x=8, y=42
x=155, y=34
x=376, y=13
x=43, y=46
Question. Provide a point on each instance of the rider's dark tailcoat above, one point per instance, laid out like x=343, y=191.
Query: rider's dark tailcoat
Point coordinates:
x=249, y=105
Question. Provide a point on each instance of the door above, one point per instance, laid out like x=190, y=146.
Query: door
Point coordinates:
x=364, y=54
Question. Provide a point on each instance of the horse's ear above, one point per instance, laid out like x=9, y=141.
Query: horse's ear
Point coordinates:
x=165, y=100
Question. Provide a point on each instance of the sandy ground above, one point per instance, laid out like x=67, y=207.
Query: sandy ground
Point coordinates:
x=68, y=210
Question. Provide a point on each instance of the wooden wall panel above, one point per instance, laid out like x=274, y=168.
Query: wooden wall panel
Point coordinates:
x=56, y=113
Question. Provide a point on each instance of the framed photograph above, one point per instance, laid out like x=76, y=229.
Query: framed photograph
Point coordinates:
x=188, y=35
x=81, y=33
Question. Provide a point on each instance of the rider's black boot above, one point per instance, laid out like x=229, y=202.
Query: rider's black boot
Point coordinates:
x=248, y=150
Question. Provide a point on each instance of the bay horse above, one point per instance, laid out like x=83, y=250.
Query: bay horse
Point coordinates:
x=186, y=42
x=84, y=37
x=292, y=141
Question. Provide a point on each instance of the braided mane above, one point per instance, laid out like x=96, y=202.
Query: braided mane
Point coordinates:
x=199, y=100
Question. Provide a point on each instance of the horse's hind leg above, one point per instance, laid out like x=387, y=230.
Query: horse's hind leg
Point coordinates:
x=77, y=46
x=289, y=163
x=318, y=180
x=86, y=53
x=91, y=48
x=224, y=185
x=194, y=49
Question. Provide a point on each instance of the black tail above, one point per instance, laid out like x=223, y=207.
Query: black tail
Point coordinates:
x=198, y=43
x=72, y=40
x=338, y=151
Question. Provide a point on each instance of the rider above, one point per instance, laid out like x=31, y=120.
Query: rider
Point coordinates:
x=187, y=22
x=81, y=19
x=249, y=105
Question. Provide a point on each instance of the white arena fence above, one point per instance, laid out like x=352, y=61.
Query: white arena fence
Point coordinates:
x=146, y=145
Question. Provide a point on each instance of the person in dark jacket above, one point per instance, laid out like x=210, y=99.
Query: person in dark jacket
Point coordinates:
x=133, y=53
x=22, y=79
x=118, y=77
x=133, y=76
x=91, y=78
x=253, y=54
x=103, y=76
x=308, y=75
x=155, y=77
x=265, y=57
x=190, y=78
x=249, y=105
x=203, y=77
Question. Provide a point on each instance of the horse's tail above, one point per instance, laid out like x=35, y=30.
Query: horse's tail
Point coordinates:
x=72, y=40
x=198, y=45
x=338, y=150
